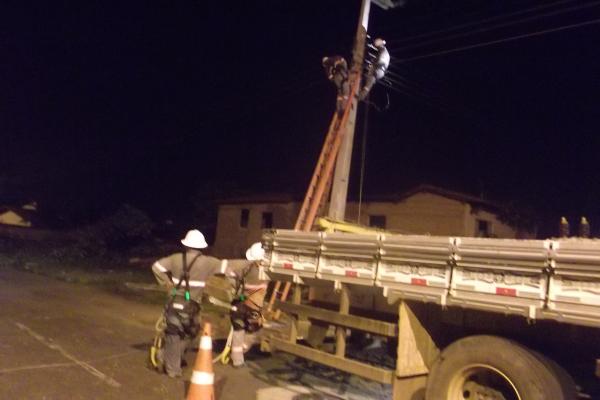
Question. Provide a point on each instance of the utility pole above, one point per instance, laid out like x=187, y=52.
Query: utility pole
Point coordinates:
x=339, y=189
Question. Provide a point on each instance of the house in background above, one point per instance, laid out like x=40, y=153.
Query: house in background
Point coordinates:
x=424, y=210
x=241, y=221
x=25, y=216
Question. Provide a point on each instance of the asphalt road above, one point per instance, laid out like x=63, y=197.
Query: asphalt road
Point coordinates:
x=69, y=341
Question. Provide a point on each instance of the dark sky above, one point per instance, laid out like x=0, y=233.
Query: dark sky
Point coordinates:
x=153, y=103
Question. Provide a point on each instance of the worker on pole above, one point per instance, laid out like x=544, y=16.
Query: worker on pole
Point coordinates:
x=336, y=69
x=185, y=275
x=377, y=69
x=339, y=187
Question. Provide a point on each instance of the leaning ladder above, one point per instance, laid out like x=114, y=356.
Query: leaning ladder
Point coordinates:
x=320, y=184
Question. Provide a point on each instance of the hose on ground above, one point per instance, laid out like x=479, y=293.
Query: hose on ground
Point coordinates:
x=224, y=356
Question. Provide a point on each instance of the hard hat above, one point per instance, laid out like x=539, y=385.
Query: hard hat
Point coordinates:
x=255, y=252
x=379, y=42
x=194, y=239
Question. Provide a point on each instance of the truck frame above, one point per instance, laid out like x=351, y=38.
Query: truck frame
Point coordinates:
x=471, y=318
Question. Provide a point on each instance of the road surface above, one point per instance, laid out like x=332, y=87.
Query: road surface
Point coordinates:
x=63, y=340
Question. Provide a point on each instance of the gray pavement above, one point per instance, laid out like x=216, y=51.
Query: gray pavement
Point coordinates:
x=68, y=341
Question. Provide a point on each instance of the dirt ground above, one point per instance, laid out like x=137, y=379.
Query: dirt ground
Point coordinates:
x=63, y=340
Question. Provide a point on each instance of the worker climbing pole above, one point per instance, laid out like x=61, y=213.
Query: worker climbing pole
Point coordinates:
x=337, y=148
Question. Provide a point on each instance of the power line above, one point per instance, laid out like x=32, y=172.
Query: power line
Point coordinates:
x=479, y=22
x=505, y=24
x=363, y=159
x=415, y=95
x=508, y=39
x=432, y=99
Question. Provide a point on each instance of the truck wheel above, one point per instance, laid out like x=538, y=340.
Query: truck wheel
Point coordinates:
x=491, y=368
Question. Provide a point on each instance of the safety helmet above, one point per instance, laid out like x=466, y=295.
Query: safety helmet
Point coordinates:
x=379, y=42
x=255, y=252
x=194, y=239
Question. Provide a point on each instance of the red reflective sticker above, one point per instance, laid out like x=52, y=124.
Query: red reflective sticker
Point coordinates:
x=506, y=292
x=351, y=273
x=417, y=281
x=288, y=266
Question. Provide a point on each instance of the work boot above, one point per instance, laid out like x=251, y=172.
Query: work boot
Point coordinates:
x=237, y=348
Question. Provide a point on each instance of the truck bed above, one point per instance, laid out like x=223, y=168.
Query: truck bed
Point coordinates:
x=554, y=279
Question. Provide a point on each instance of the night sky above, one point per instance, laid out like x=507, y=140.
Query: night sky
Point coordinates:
x=155, y=104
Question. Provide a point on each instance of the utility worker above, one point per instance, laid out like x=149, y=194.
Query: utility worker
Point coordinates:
x=378, y=67
x=247, y=303
x=185, y=274
x=336, y=69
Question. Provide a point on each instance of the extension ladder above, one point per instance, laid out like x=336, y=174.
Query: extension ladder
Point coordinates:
x=320, y=183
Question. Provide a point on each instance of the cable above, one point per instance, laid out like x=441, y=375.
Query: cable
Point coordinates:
x=486, y=29
x=508, y=39
x=224, y=355
x=479, y=22
x=401, y=80
x=363, y=156
x=429, y=99
x=416, y=97
x=378, y=108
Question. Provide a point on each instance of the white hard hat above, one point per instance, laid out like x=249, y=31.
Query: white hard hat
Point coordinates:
x=194, y=239
x=379, y=42
x=255, y=252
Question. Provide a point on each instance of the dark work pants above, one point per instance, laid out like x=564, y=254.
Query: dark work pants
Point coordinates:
x=177, y=338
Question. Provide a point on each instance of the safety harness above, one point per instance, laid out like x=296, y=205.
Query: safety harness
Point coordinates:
x=185, y=277
x=245, y=317
x=186, y=312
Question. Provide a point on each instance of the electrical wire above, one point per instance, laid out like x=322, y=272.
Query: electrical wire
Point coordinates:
x=479, y=22
x=401, y=80
x=377, y=107
x=494, y=27
x=415, y=96
x=503, y=40
x=433, y=101
x=363, y=157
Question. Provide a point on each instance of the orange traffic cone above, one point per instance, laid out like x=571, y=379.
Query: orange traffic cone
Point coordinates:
x=201, y=385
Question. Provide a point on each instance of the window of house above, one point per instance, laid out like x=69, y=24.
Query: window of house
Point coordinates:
x=267, y=220
x=244, y=217
x=483, y=228
x=377, y=221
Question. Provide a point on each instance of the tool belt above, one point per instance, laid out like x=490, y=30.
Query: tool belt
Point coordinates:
x=246, y=318
x=181, y=316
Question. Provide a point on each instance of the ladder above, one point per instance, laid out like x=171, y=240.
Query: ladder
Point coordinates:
x=320, y=183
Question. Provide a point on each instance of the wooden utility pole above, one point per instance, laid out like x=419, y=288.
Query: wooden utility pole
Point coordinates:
x=339, y=190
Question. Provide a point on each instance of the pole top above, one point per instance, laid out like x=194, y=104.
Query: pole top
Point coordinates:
x=387, y=4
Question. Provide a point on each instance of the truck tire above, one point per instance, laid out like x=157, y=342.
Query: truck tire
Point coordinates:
x=567, y=384
x=492, y=368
